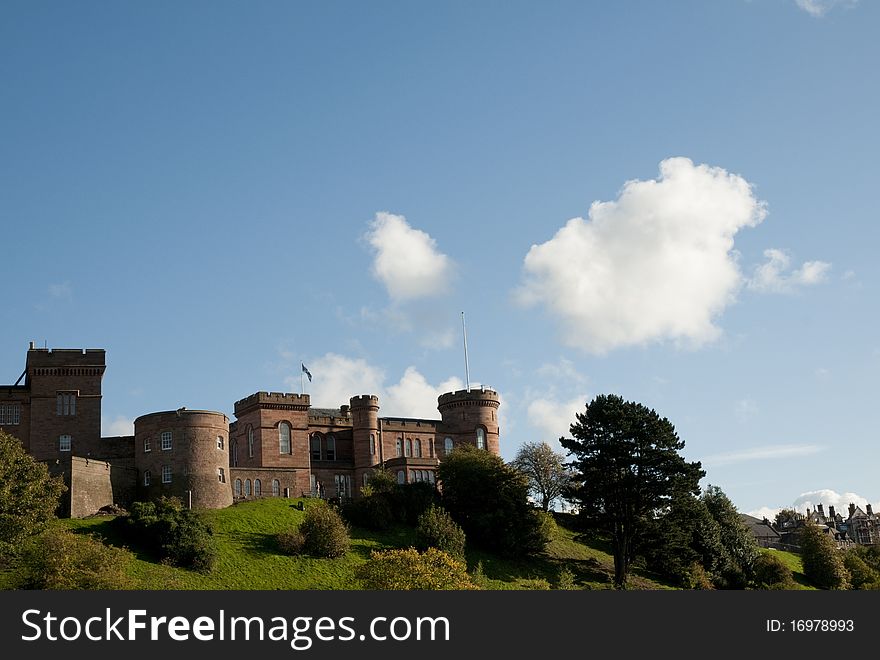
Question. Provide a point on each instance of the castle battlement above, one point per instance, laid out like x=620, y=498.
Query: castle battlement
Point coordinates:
x=479, y=397
x=288, y=400
x=68, y=357
x=364, y=400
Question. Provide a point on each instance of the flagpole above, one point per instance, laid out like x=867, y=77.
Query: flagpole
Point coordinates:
x=467, y=373
x=302, y=383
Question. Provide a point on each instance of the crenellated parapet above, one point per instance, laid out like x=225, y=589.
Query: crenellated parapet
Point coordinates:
x=273, y=401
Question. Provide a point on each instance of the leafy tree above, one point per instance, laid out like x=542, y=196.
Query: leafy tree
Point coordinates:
x=740, y=546
x=862, y=575
x=628, y=467
x=770, y=572
x=823, y=562
x=786, y=517
x=324, y=532
x=543, y=467
x=28, y=495
x=410, y=570
x=489, y=499
x=437, y=529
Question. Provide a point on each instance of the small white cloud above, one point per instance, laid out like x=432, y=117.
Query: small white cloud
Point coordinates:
x=414, y=396
x=119, y=425
x=655, y=264
x=848, y=275
x=772, y=276
x=746, y=409
x=406, y=260
x=561, y=371
x=553, y=417
x=768, y=453
x=765, y=512
x=818, y=8
x=61, y=291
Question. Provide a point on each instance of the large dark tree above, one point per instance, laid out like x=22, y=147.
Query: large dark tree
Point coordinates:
x=740, y=547
x=628, y=467
x=543, y=467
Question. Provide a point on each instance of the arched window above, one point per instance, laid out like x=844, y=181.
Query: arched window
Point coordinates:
x=366, y=478
x=418, y=449
x=284, y=438
x=331, y=448
x=431, y=447
x=234, y=451
x=409, y=446
x=372, y=445
x=276, y=488
x=315, y=445
x=401, y=477
x=447, y=445
x=250, y=437
x=431, y=477
x=399, y=447
x=147, y=477
x=220, y=442
x=247, y=488
x=481, y=438
x=258, y=488
x=238, y=487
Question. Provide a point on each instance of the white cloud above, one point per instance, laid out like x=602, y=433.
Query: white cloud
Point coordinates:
x=406, y=260
x=119, y=425
x=655, y=264
x=554, y=417
x=765, y=512
x=771, y=277
x=746, y=409
x=61, y=291
x=561, y=371
x=819, y=8
x=770, y=452
x=827, y=497
x=337, y=378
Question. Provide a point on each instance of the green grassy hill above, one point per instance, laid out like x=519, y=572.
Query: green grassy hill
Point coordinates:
x=249, y=558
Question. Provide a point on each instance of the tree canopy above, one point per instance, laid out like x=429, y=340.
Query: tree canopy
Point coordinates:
x=544, y=468
x=627, y=467
x=28, y=495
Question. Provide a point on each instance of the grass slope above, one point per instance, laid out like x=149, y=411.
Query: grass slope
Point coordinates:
x=248, y=558
x=793, y=561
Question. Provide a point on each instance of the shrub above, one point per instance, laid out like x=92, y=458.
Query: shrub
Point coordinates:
x=565, y=580
x=823, y=562
x=535, y=584
x=325, y=533
x=697, y=577
x=291, y=543
x=373, y=512
x=437, y=529
x=410, y=570
x=478, y=576
x=770, y=572
x=411, y=500
x=862, y=575
x=58, y=559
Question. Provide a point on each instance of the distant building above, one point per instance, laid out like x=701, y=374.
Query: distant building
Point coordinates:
x=278, y=445
x=763, y=531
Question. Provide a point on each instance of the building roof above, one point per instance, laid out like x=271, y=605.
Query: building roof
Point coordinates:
x=758, y=527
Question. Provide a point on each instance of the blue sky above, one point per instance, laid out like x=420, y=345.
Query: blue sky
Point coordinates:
x=669, y=201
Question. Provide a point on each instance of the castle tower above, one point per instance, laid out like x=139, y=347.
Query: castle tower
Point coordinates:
x=181, y=453
x=365, y=437
x=64, y=386
x=469, y=417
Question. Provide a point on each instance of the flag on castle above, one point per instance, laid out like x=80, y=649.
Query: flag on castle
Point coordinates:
x=306, y=372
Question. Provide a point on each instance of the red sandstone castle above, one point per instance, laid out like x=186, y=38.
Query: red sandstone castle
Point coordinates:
x=277, y=446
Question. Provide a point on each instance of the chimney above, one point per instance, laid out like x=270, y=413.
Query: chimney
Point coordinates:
x=869, y=510
x=831, y=511
x=852, y=509
x=820, y=510
x=31, y=346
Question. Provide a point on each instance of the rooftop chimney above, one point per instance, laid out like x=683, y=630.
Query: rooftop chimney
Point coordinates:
x=31, y=346
x=831, y=511
x=820, y=510
x=869, y=510
x=852, y=509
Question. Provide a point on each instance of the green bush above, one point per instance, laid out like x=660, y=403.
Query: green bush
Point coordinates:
x=410, y=570
x=291, y=543
x=59, y=559
x=411, y=500
x=373, y=512
x=697, y=577
x=770, y=572
x=437, y=529
x=823, y=562
x=863, y=576
x=325, y=533
x=535, y=584
x=565, y=580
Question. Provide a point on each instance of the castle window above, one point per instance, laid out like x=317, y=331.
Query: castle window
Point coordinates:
x=366, y=478
x=481, y=438
x=315, y=447
x=401, y=477
x=237, y=490
x=221, y=475
x=418, y=448
x=343, y=486
x=258, y=488
x=399, y=447
x=284, y=438
x=247, y=487
x=276, y=488
x=166, y=474
x=166, y=440
x=250, y=436
x=10, y=414
x=409, y=446
x=372, y=445
x=66, y=403
x=64, y=443
x=447, y=445
x=147, y=447
x=147, y=477
x=331, y=448
x=234, y=451
x=219, y=442
x=431, y=477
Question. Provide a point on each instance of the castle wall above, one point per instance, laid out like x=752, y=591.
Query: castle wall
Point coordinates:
x=17, y=401
x=464, y=411
x=287, y=479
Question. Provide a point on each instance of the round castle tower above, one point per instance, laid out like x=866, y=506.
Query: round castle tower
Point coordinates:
x=468, y=414
x=365, y=435
x=178, y=452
